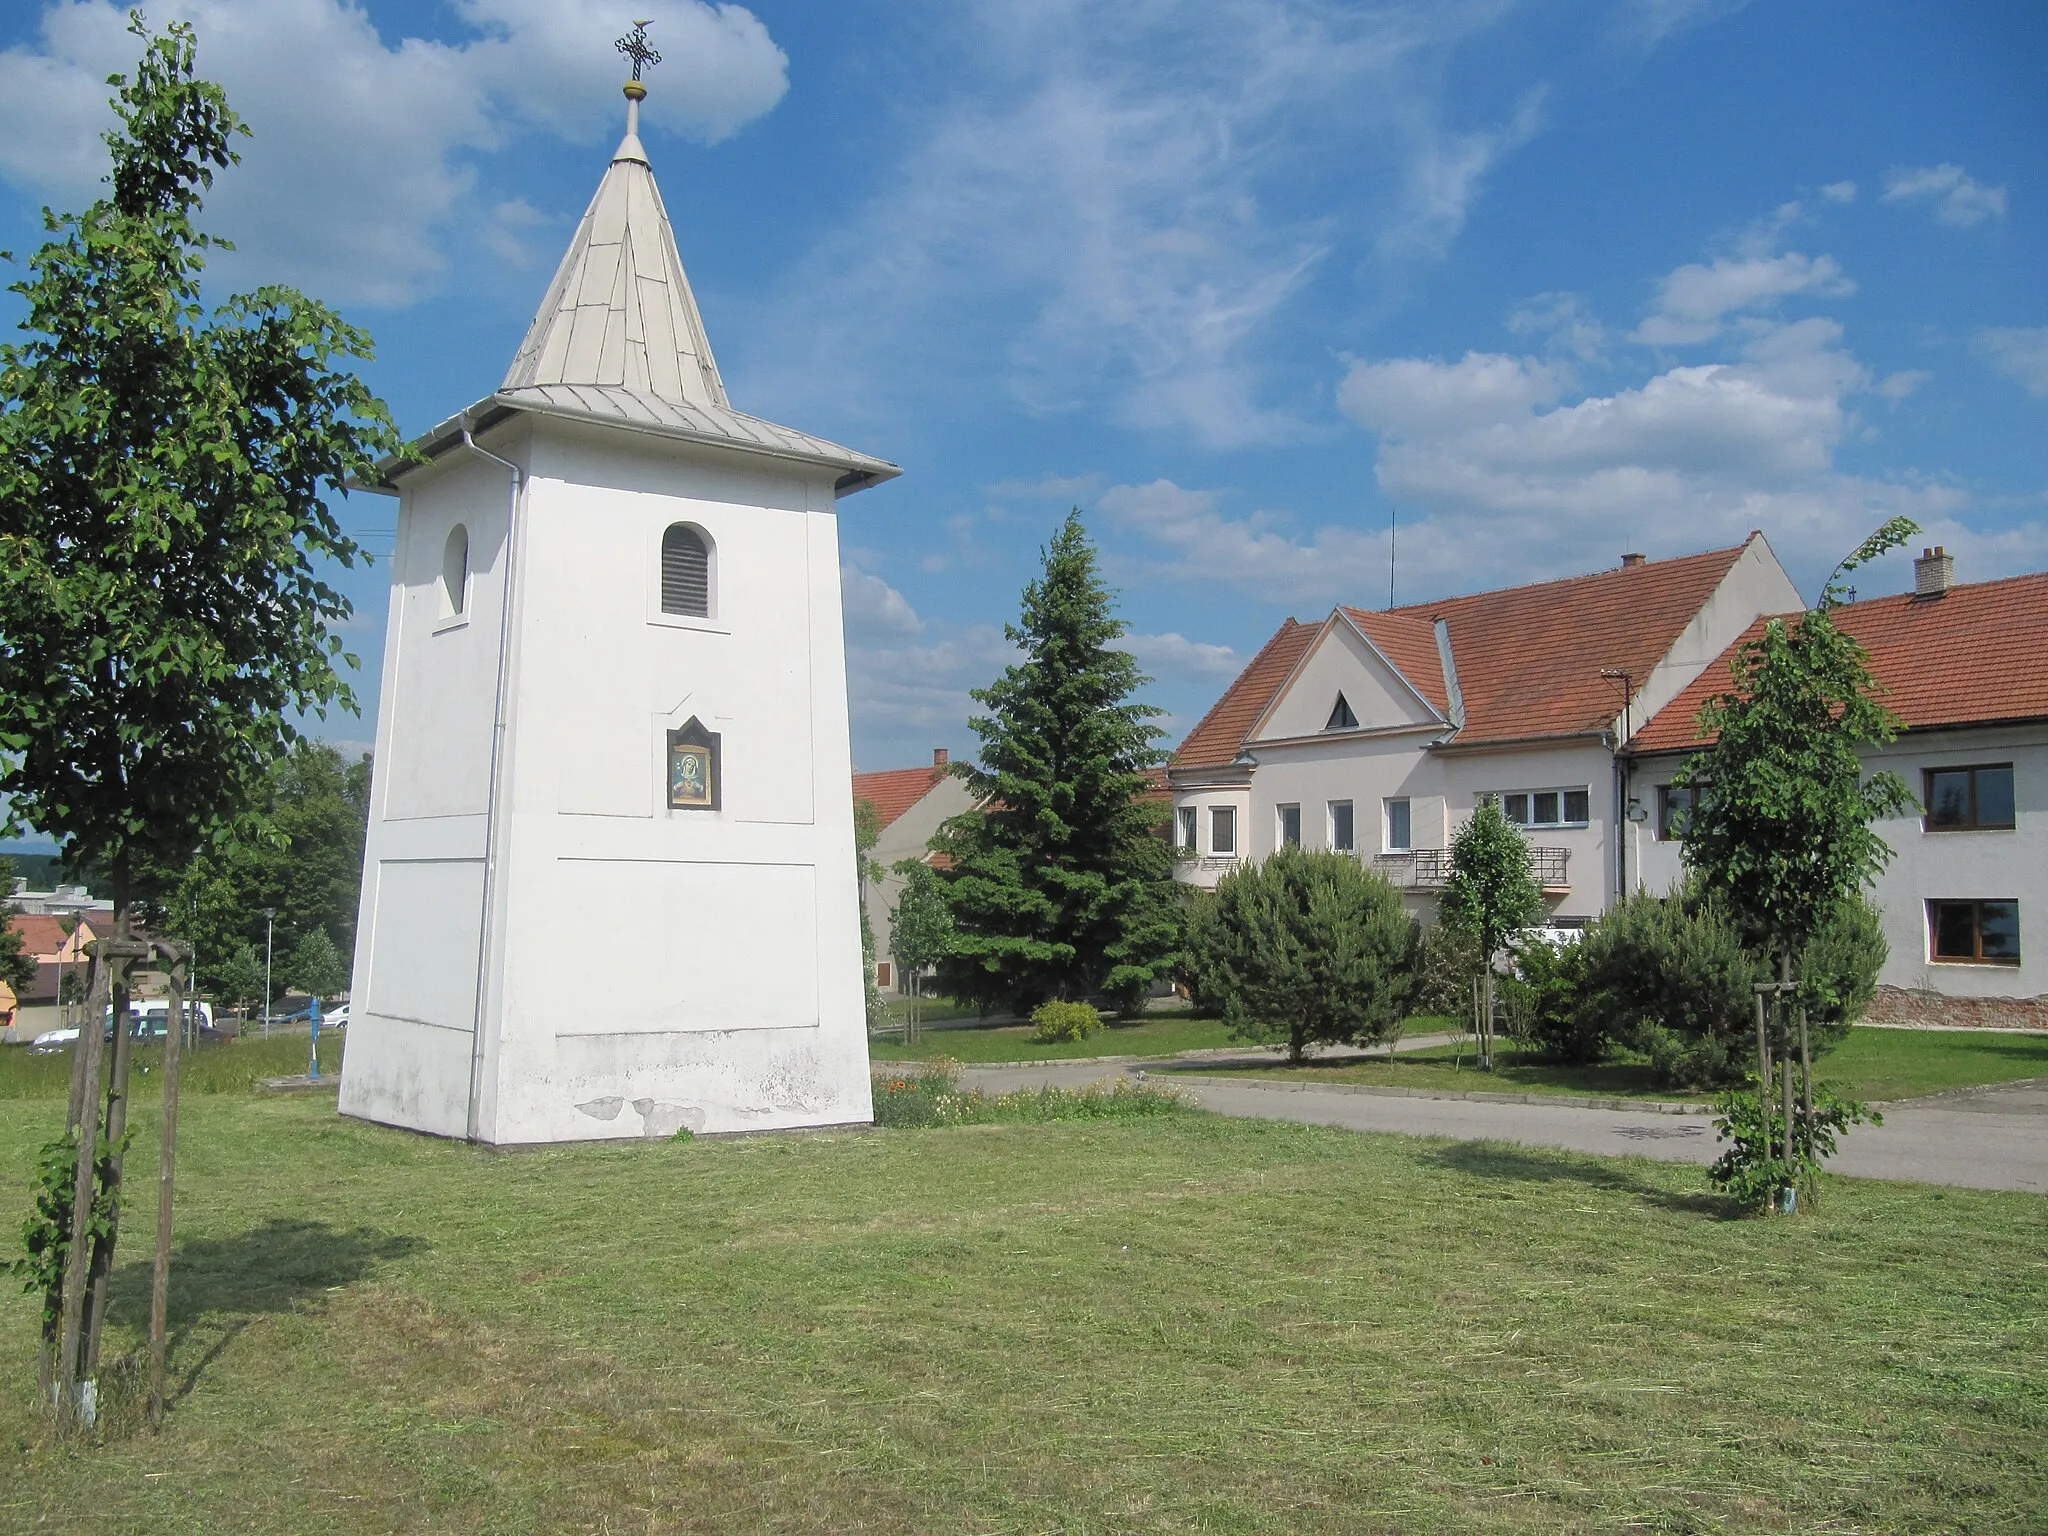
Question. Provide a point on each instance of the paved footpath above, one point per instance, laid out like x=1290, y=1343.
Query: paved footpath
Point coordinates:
x=1997, y=1139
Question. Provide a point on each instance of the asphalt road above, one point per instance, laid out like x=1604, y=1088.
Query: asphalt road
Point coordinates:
x=1997, y=1139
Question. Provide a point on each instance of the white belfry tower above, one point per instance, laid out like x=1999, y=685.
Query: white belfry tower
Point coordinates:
x=609, y=889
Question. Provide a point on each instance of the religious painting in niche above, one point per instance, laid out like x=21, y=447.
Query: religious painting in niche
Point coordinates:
x=693, y=768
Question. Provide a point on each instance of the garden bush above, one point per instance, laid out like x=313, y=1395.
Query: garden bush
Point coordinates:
x=1547, y=985
x=1446, y=960
x=1057, y=1023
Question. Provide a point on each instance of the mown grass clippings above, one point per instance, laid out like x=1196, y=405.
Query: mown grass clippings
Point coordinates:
x=1172, y=1323
x=224, y=1066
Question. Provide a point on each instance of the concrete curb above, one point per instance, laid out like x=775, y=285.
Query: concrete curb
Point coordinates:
x=1976, y=1091
x=1563, y=1100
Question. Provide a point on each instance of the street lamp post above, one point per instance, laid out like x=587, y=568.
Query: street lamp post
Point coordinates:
x=269, y=917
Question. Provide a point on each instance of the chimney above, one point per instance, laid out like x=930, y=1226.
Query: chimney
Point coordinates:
x=1631, y=559
x=1934, y=573
x=941, y=757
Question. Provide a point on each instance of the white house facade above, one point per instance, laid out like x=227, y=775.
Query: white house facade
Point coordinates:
x=1965, y=898
x=912, y=804
x=614, y=680
x=1377, y=732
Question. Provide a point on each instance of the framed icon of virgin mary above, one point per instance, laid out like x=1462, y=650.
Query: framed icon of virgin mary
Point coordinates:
x=693, y=768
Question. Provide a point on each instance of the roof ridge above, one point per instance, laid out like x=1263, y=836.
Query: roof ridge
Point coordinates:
x=1421, y=610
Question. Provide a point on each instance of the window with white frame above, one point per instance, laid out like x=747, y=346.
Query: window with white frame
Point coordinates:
x=1400, y=829
x=1222, y=829
x=1342, y=838
x=1288, y=833
x=1547, y=807
x=1184, y=829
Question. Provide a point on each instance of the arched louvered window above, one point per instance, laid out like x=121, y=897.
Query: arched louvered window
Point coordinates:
x=455, y=572
x=685, y=572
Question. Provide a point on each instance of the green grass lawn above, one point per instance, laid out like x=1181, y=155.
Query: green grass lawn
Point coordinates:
x=1181, y=1324
x=218, y=1067
x=1872, y=1064
x=969, y=1040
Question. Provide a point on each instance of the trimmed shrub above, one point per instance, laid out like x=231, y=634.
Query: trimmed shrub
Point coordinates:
x=1547, y=984
x=1306, y=947
x=1057, y=1023
x=1668, y=977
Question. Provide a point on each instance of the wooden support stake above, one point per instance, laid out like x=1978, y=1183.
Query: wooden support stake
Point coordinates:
x=100, y=1276
x=71, y=1338
x=167, y=1163
x=1806, y=1081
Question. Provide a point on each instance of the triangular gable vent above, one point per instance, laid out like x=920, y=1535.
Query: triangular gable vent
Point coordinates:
x=1341, y=718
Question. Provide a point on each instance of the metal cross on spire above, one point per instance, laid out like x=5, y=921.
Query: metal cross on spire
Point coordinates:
x=634, y=46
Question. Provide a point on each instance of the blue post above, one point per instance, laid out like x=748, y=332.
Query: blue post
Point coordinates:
x=315, y=1017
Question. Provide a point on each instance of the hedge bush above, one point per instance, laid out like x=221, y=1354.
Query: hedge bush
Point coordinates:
x=1058, y=1023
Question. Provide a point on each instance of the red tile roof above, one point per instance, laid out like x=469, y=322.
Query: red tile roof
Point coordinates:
x=45, y=933
x=895, y=790
x=1976, y=655
x=1217, y=736
x=1528, y=659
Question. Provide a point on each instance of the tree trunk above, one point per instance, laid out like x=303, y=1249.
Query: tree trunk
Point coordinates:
x=86, y=1121
x=1805, y=1083
x=1486, y=1017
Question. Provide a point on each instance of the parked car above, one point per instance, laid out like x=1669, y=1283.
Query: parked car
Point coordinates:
x=149, y=1019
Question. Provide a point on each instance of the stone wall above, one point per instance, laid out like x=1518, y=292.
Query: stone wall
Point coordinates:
x=1898, y=1005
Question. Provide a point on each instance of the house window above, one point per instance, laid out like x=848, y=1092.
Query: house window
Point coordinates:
x=1546, y=807
x=685, y=572
x=1222, y=829
x=1674, y=811
x=455, y=573
x=1184, y=829
x=1399, y=827
x=1959, y=799
x=1290, y=826
x=1341, y=839
x=1974, y=932
x=1341, y=717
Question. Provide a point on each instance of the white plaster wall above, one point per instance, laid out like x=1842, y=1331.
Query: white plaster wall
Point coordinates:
x=1755, y=584
x=406, y=1060
x=1204, y=866
x=1342, y=661
x=727, y=992
x=1987, y=865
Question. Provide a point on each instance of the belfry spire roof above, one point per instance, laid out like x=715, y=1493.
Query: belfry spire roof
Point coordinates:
x=620, y=311
x=618, y=341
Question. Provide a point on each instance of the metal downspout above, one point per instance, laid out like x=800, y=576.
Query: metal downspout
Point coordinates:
x=483, y=939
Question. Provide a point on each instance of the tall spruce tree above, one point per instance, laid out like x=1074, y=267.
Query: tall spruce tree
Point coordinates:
x=1059, y=884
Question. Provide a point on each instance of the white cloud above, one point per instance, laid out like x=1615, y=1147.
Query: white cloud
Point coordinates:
x=1695, y=301
x=1048, y=488
x=1259, y=552
x=1897, y=386
x=1410, y=396
x=1173, y=656
x=2018, y=351
x=1839, y=191
x=361, y=164
x=1958, y=197
x=1091, y=208
x=910, y=691
x=1565, y=320
x=874, y=609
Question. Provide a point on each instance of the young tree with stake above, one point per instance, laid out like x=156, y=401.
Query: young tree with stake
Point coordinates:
x=162, y=615
x=1781, y=833
x=1491, y=892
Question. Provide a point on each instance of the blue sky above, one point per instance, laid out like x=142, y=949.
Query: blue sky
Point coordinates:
x=1244, y=279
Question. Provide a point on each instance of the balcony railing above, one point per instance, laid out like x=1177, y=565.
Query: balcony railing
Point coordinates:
x=1429, y=868
x=1211, y=863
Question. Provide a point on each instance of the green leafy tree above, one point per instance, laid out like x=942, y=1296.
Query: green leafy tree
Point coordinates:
x=867, y=831
x=1058, y=884
x=1307, y=947
x=1781, y=834
x=239, y=978
x=920, y=932
x=163, y=528
x=316, y=967
x=1491, y=892
x=17, y=965
x=299, y=853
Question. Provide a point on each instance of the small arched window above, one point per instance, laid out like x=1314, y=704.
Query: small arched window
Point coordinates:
x=685, y=572
x=455, y=572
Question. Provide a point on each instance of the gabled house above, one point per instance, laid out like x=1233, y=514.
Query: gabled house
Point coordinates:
x=1965, y=898
x=1377, y=731
x=912, y=803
